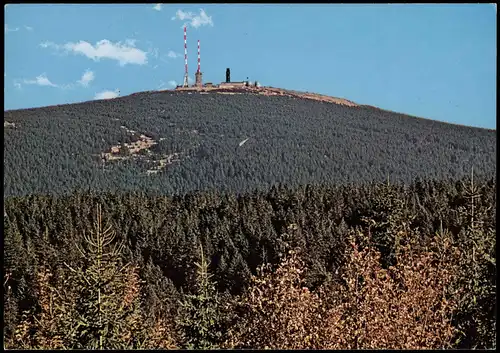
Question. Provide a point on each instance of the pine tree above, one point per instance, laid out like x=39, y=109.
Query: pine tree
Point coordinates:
x=477, y=317
x=94, y=306
x=201, y=315
x=108, y=309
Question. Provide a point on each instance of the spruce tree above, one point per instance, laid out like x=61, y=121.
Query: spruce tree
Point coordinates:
x=96, y=305
x=201, y=315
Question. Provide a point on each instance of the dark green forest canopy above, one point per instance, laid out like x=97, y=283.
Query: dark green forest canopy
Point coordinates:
x=291, y=141
x=238, y=233
x=241, y=231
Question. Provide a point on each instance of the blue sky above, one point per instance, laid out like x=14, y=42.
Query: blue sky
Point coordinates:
x=433, y=61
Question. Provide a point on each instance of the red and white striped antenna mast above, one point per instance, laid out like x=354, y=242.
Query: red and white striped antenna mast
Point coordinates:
x=186, y=84
x=198, y=76
x=199, y=56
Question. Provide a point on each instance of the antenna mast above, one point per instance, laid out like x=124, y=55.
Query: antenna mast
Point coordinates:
x=185, y=84
x=199, y=56
x=198, y=75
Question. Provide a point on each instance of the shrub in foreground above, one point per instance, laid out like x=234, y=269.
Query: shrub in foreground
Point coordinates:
x=404, y=307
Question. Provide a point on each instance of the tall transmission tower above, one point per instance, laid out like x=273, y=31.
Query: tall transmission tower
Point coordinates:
x=199, y=56
x=198, y=75
x=186, y=83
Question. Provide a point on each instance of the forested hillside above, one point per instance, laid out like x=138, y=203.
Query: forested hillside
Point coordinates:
x=187, y=142
x=208, y=220
x=359, y=266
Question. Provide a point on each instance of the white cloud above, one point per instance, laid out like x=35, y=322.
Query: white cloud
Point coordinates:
x=181, y=15
x=7, y=29
x=172, y=54
x=123, y=53
x=47, y=44
x=87, y=77
x=107, y=94
x=173, y=83
x=41, y=80
x=161, y=86
x=201, y=20
x=157, y=7
x=131, y=42
x=154, y=52
x=196, y=21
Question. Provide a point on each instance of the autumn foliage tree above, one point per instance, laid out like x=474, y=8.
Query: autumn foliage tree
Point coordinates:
x=367, y=307
x=406, y=306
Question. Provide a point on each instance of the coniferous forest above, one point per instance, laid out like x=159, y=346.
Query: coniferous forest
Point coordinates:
x=331, y=227
x=290, y=141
